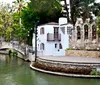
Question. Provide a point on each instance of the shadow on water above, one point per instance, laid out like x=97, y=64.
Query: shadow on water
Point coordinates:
x=15, y=71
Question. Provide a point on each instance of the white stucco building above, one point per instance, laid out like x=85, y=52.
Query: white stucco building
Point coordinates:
x=53, y=38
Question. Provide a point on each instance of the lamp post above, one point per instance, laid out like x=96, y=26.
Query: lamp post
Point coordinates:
x=36, y=40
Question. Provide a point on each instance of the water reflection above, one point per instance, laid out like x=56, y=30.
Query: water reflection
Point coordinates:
x=14, y=71
x=59, y=80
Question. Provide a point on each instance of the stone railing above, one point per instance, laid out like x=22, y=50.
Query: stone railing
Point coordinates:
x=13, y=46
x=25, y=50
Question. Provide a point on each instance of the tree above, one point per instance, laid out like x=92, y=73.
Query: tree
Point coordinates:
x=18, y=6
x=67, y=9
x=5, y=22
x=43, y=11
x=47, y=10
x=84, y=9
x=28, y=20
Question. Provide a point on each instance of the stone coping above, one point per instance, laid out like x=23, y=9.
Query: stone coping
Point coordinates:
x=64, y=74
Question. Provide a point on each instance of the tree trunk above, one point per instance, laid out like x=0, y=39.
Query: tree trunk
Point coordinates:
x=66, y=8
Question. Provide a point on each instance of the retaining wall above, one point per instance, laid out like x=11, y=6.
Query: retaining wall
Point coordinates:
x=66, y=67
x=66, y=64
x=82, y=53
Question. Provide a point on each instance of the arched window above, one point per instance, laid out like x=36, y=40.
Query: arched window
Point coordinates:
x=60, y=46
x=93, y=32
x=56, y=45
x=42, y=30
x=85, y=31
x=42, y=46
x=78, y=32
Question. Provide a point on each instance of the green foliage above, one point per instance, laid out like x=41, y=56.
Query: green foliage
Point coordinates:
x=43, y=11
x=95, y=72
x=98, y=25
x=46, y=10
x=5, y=22
x=28, y=18
x=69, y=49
x=14, y=53
x=83, y=9
x=98, y=22
x=10, y=52
x=98, y=32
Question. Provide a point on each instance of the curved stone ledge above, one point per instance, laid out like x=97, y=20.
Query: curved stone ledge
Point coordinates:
x=63, y=63
x=64, y=74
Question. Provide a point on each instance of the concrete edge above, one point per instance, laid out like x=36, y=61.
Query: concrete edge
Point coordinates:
x=64, y=74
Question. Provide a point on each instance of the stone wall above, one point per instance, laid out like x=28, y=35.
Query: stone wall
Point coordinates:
x=82, y=53
x=66, y=67
x=78, y=40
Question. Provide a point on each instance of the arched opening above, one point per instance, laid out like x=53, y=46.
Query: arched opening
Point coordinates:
x=93, y=32
x=78, y=32
x=42, y=46
x=60, y=46
x=85, y=31
x=42, y=30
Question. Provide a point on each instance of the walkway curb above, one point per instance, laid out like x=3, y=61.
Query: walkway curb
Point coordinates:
x=64, y=74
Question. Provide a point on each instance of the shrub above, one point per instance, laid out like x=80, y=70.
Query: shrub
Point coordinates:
x=98, y=32
x=15, y=53
x=95, y=72
x=69, y=48
x=10, y=52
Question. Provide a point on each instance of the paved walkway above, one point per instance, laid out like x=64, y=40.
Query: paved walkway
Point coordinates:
x=72, y=59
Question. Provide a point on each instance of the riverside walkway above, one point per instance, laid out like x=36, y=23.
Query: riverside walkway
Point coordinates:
x=81, y=59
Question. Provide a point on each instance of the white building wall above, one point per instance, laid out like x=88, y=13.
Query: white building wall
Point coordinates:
x=33, y=42
x=64, y=37
x=50, y=49
x=64, y=40
x=49, y=45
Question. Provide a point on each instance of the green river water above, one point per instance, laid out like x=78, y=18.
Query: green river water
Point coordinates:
x=15, y=71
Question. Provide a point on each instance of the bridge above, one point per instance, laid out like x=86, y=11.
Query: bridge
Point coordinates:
x=24, y=50
x=9, y=45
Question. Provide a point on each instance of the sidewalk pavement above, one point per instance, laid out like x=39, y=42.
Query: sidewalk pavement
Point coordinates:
x=81, y=59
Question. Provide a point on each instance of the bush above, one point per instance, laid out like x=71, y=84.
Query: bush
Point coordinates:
x=98, y=32
x=10, y=52
x=69, y=48
x=15, y=53
x=95, y=72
